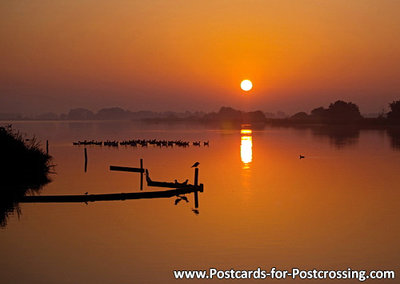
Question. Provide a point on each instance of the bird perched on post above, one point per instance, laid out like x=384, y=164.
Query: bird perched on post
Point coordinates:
x=195, y=165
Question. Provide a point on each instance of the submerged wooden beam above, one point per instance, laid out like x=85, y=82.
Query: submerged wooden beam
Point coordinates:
x=126, y=169
x=109, y=197
x=169, y=184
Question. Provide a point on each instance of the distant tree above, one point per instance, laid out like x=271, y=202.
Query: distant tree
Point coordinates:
x=341, y=111
x=300, y=116
x=381, y=115
x=269, y=115
x=229, y=114
x=10, y=116
x=281, y=114
x=47, y=116
x=319, y=112
x=80, y=114
x=394, y=113
x=144, y=114
x=233, y=116
x=112, y=113
x=255, y=116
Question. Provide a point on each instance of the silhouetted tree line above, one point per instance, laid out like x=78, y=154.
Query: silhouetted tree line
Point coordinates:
x=112, y=113
x=117, y=113
x=338, y=112
x=341, y=112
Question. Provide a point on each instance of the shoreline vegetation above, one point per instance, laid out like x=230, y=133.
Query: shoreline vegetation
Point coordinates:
x=24, y=169
x=338, y=113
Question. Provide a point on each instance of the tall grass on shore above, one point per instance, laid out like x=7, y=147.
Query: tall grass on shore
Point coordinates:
x=24, y=168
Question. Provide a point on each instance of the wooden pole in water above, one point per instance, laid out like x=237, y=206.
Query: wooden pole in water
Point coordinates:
x=196, y=199
x=196, y=183
x=141, y=174
x=196, y=176
x=86, y=159
x=47, y=147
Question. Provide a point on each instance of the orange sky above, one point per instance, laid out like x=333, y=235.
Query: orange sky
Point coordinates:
x=178, y=55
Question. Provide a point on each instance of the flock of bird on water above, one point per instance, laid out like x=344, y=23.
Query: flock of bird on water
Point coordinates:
x=147, y=142
x=143, y=143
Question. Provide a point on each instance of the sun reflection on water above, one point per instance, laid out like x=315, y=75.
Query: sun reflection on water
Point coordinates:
x=246, y=131
x=246, y=147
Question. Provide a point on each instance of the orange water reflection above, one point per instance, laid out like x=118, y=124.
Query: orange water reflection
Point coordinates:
x=337, y=207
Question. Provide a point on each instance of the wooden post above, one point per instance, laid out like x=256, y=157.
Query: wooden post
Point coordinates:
x=141, y=174
x=47, y=147
x=196, y=176
x=196, y=183
x=196, y=199
x=86, y=159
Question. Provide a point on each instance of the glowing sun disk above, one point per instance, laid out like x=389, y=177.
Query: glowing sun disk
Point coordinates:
x=246, y=85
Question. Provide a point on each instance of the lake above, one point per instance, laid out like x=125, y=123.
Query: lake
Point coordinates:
x=262, y=206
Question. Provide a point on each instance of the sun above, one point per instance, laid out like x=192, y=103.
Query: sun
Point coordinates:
x=246, y=85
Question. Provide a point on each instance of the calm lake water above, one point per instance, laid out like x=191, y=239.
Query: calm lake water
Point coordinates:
x=262, y=206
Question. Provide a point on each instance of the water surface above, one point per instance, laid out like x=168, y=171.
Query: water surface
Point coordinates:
x=262, y=206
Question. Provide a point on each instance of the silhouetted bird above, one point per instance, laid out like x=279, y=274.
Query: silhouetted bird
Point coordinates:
x=195, y=165
x=177, y=201
x=301, y=157
x=184, y=198
x=195, y=211
x=185, y=182
x=176, y=181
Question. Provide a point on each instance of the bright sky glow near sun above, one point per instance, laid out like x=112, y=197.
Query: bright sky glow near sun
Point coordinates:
x=190, y=55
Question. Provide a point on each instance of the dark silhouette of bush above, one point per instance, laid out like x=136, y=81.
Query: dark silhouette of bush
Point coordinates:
x=394, y=113
x=23, y=168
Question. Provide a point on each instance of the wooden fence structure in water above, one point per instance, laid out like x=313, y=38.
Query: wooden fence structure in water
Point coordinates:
x=176, y=190
x=109, y=197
